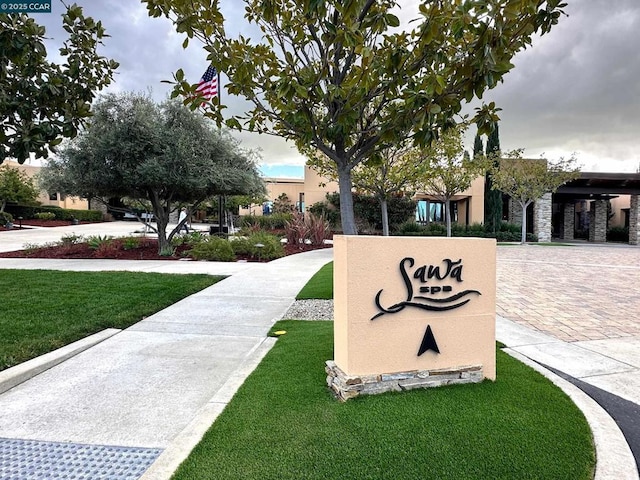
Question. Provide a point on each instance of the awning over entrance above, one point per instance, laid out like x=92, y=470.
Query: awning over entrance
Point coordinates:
x=592, y=184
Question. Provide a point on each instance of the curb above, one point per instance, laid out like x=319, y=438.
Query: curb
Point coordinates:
x=14, y=376
x=614, y=459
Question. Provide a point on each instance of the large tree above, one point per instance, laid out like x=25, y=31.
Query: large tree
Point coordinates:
x=448, y=170
x=338, y=77
x=163, y=154
x=15, y=186
x=393, y=174
x=527, y=180
x=41, y=102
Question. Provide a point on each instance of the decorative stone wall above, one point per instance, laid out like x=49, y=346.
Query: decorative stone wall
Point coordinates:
x=515, y=212
x=634, y=220
x=568, y=224
x=350, y=386
x=542, y=213
x=598, y=221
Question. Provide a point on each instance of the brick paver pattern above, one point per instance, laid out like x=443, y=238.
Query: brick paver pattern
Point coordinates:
x=572, y=293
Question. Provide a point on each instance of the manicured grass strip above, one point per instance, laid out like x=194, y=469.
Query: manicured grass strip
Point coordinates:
x=42, y=310
x=320, y=286
x=284, y=424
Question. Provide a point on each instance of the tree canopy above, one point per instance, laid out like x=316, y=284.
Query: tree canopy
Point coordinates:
x=394, y=174
x=447, y=170
x=339, y=76
x=42, y=102
x=527, y=180
x=15, y=186
x=163, y=154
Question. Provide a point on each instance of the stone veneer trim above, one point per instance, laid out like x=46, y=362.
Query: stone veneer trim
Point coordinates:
x=346, y=386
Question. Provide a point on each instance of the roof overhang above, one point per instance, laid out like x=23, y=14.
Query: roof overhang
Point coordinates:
x=592, y=185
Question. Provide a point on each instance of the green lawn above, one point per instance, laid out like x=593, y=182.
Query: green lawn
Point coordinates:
x=284, y=424
x=42, y=310
x=320, y=286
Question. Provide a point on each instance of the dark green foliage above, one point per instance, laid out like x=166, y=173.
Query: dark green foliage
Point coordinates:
x=507, y=232
x=26, y=211
x=42, y=310
x=367, y=209
x=213, y=249
x=328, y=211
x=478, y=146
x=276, y=221
x=492, y=198
x=41, y=101
x=284, y=424
x=270, y=249
x=618, y=234
x=5, y=218
x=163, y=154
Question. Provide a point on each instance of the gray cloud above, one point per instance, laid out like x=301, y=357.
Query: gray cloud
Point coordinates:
x=576, y=89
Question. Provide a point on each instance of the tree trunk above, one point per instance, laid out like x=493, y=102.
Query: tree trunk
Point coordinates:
x=161, y=212
x=523, y=237
x=385, y=216
x=347, y=217
x=447, y=212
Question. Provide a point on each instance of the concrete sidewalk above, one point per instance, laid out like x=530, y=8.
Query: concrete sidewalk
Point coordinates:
x=151, y=390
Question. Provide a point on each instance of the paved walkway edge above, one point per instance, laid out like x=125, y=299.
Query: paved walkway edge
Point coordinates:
x=182, y=445
x=14, y=376
x=614, y=459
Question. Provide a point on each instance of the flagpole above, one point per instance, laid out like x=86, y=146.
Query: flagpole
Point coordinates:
x=220, y=197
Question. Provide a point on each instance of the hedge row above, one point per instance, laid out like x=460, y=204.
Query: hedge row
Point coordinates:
x=29, y=212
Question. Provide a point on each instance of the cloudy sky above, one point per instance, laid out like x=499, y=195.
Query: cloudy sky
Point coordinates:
x=576, y=90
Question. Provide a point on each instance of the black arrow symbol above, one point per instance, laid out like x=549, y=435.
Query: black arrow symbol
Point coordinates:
x=428, y=342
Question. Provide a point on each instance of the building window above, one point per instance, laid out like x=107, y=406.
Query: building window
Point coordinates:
x=53, y=196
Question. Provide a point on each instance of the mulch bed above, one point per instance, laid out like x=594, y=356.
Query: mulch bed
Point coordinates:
x=37, y=223
x=147, y=250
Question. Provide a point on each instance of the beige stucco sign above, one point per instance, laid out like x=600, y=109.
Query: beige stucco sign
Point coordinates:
x=407, y=304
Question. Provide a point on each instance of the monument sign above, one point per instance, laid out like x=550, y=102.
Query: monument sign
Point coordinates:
x=412, y=312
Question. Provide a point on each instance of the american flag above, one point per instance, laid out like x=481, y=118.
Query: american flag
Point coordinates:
x=208, y=85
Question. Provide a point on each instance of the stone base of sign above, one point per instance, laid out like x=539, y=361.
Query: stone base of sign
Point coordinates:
x=347, y=386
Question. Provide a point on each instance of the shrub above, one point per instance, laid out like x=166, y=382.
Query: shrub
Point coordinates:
x=97, y=241
x=270, y=250
x=213, y=249
x=45, y=216
x=295, y=230
x=410, y=227
x=328, y=211
x=367, y=210
x=192, y=238
x=130, y=243
x=5, y=218
x=618, y=234
x=71, y=239
x=318, y=229
x=276, y=221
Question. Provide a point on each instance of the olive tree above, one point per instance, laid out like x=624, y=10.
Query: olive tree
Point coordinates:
x=163, y=154
x=341, y=78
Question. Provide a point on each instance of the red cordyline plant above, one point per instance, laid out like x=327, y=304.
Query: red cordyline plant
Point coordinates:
x=318, y=228
x=296, y=229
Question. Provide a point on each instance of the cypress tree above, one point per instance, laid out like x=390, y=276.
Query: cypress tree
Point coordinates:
x=492, y=198
x=478, y=146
